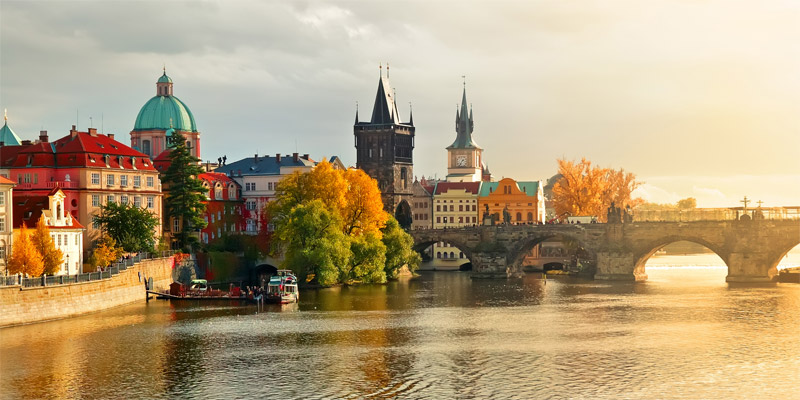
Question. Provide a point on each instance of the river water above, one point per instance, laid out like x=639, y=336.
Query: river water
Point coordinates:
x=684, y=333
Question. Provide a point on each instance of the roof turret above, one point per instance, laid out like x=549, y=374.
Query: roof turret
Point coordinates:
x=7, y=135
x=165, y=111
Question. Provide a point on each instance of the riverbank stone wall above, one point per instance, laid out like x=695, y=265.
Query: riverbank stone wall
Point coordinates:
x=20, y=306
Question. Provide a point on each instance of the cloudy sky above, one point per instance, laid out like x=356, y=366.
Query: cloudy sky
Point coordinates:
x=698, y=98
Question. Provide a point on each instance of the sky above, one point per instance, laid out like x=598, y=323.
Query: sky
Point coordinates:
x=697, y=98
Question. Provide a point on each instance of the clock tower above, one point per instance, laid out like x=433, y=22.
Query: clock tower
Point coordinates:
x=464, y=156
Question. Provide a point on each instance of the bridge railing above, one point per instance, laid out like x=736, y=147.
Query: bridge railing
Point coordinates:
x=55, y=280
x=715, y=214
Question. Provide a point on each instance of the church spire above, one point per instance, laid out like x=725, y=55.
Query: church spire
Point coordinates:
x=410, y=114
x=385, y=109
x=464, y=124
x=356, y=113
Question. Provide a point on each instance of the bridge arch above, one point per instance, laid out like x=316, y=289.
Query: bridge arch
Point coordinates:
x=647, y=250
x=522, y=248
x=454, y=250
x=783, y=250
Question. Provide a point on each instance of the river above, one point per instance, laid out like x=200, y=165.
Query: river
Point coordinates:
x=684, y=333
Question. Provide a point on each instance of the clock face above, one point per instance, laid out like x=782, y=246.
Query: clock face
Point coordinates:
x=461, y=161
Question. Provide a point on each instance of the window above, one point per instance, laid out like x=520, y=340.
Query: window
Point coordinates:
x=95, y=224
x=149, y=181
x=519, y=216
x=2, y=198
x=137, y=201
x=251, y=225
x=269, y=186
x=473, y=208
x=438, y=254
x=146, y=147
x=212, y=218
x=438, y=208
x=123, y=199
x=110, y=198
x=27, y=178
x=123, y=180
x=460, y=207
x=76, y=239
x=250, y=186
x=137, y=181
x=149, y=201
x=530, y=216
x=218, y=192
x=110, y=179
x=2, y=223
x=95, y=200
x=452, y=220
x=95, y=179
x=35, y=178
x=452, y=208
x=251, y=205
x=438, y=220
x=176, y=225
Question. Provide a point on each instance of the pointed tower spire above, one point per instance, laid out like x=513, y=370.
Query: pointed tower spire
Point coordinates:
x=410, y=114
x=356, y=113
x=7, y=135
x=464, y=123
x=385, y=109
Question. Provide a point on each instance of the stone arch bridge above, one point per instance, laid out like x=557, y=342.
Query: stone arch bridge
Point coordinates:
x=618, y=251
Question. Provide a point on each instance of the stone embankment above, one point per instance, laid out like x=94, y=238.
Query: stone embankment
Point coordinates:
x=37, y=304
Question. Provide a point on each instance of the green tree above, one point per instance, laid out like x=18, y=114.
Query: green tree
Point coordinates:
x=185, y=196
x=313, y=242
x=399, y=249
x=52, y=258
x=368, y=257
x=133, y=228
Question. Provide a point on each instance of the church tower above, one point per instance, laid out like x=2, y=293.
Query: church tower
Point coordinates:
x=464, y=156
x=384, y=150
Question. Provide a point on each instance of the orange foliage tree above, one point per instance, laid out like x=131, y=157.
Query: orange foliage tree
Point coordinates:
x=584, y=189
x=52, y=257
x=24, y=256
x=363, y=211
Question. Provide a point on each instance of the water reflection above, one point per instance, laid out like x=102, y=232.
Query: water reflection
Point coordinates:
x=683, y=334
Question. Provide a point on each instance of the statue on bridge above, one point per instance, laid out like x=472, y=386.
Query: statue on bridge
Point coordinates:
x=617, y=215
x=506, y=215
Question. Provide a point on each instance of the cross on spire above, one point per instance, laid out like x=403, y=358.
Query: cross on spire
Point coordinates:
x=745, y=201
x=5, y=114
x=760, y=203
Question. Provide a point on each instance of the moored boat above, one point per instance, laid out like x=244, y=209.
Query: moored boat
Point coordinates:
x=282, y=288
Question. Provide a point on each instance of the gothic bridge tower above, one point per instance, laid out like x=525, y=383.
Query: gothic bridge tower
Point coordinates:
x=384, y=150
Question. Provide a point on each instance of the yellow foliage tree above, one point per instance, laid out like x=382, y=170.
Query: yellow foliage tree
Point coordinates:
x=363, y=212
x=584, y=189
x=24, y=256
x=52, y=258
x=105, y=252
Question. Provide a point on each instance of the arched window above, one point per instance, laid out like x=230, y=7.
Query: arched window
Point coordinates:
x=218, y=191
x=232, y=192
x=438, y=254
x=452, y=255
x=460, y=254
x=146, y=147
x=530, y=216
x=519, y=216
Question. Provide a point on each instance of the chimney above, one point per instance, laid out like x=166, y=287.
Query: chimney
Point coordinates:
x=305, y=156
x=93, y=132
x=43, y=136
x=255, y=158
x=294, y=157
x=111, y=136
x=73, y=131
x=278, y=158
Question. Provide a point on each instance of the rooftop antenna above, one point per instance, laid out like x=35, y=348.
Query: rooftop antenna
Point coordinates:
x=102, y=122
x=464, y=78
x=77, y=118
x=380, y=69
x=387, y=70
x=91, y=125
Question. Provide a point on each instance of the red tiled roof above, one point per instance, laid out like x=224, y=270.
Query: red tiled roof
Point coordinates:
x=78, y=149
x=28, y=209
x=212, y=177
x=6, y=181
x=470, y=187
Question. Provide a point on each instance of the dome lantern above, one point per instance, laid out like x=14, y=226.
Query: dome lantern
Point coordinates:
x=164, y=85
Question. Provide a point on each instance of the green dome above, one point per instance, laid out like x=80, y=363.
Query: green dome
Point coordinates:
x=164, y=79
x=161, y=111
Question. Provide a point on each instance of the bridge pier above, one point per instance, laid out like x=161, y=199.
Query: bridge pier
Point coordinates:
x=618, y=266
x=489, y=265
x=750, y=267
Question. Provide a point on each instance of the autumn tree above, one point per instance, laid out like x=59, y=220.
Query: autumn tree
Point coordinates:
x=105, y=253
x=52, y=258
x=24, y=257
x=584, y=189
x=687, y=203
x=330, y=223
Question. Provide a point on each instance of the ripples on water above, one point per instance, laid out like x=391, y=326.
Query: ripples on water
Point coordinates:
x=683, y=334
